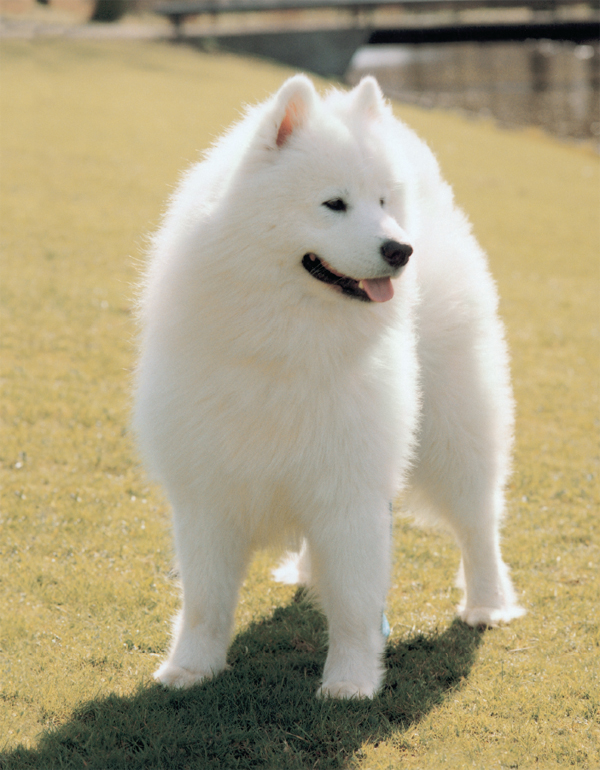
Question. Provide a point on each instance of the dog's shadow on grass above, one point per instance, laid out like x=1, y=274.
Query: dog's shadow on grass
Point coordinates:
x=263, y=711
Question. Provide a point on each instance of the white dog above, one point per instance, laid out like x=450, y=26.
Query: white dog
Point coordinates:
x=320, y=332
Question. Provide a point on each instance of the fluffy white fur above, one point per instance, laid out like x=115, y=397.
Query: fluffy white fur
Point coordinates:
x=272, y=406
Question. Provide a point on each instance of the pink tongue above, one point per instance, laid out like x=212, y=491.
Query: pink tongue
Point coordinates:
x=378, y=289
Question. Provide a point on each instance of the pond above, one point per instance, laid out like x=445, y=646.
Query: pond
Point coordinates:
x=554, y=85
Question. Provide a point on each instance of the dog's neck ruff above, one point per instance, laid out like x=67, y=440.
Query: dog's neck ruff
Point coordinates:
x=366, y=290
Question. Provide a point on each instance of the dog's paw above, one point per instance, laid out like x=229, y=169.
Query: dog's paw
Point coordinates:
x=294, y=569
x=489, y=616
x=287, y=573
x=345, y=690
x=180, y=678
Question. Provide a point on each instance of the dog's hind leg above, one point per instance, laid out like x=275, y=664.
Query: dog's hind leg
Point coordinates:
x=464, y=457
x=212, y=560
x=471, y=507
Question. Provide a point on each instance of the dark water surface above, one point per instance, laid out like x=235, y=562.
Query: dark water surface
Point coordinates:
x=553, y=85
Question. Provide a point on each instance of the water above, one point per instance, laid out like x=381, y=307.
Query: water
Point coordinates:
x=555, y=85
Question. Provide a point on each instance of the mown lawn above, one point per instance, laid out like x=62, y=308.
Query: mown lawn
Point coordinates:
x=93, y=138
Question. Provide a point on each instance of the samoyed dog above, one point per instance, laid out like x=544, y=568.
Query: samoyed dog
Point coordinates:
x=320, y=332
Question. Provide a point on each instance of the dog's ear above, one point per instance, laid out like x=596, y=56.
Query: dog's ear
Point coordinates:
x=367, y=98
x=293, y=104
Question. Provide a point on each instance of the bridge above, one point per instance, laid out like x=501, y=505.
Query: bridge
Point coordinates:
x=323, y=35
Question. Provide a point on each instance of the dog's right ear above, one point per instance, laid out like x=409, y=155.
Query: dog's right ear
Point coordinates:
x=293, y=105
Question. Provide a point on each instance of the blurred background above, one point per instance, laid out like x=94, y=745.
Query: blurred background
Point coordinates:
x=520, y=62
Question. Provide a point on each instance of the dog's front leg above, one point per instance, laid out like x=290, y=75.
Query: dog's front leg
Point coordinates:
x=351, y=564
x=212, y=558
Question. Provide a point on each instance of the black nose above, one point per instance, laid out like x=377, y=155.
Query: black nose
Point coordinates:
x=396, y=254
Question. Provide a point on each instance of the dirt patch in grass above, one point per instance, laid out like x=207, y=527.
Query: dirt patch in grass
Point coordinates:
x=93, y=138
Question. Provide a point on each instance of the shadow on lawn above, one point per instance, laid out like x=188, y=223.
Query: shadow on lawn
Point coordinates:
x=262, y=712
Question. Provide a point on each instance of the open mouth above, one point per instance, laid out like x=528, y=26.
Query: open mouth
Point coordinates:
x=366, y=290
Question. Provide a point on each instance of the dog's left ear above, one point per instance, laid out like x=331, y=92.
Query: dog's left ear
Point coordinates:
x=293, y=104
x=367, y=98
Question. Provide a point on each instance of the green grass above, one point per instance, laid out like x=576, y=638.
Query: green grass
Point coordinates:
x=93, y=138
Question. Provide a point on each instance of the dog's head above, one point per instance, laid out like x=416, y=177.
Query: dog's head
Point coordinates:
x=330, y=189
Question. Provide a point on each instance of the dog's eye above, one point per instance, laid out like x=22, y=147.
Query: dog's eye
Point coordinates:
x=336, y=204
x=382, y=202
